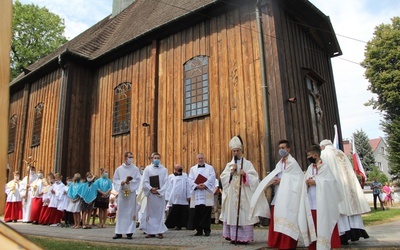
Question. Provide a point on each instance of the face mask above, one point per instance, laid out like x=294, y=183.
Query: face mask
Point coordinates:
x=129, y=161
x=77, y=179
x=32, y=172
x=282, y=152
x=156, y=162
x=69, y=183
x=180, y=170
x=105, y=175
x=40, y=175
x=89, y=179
x=312, y=160
x=141, y=172
x=58, y=182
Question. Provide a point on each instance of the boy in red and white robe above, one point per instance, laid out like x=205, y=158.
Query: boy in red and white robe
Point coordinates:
x=13, y=210
x=322, y=191
x=55, y=215
x=37, y=199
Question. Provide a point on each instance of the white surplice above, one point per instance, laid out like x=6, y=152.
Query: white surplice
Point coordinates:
x=178, y=189
x=126, y=221
x=155, y=206
x=323, y=197
x=56, y=198
x=37, y=188
x=202, y=197
x=12, y=190
x=289, y=207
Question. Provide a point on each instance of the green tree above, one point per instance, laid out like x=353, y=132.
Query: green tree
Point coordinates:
x=364, y=150
x=382, y=178
x=35, y=33
x=382, y=69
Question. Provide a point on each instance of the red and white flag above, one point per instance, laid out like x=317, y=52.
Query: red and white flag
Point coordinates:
x=358, y=167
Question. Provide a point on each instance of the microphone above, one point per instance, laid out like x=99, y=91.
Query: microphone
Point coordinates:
x=235, y=159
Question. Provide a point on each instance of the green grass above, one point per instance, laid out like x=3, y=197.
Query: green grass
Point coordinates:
x=63, y=244
x=379, y=216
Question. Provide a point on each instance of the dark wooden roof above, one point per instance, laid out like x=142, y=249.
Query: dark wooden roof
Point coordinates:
x=317, y=24
x=146, y=20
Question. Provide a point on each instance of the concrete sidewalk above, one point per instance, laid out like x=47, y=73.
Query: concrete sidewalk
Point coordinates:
x=385, y=236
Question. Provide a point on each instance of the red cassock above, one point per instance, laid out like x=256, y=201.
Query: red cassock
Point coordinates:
x=44, y=215
x=54, y=216
x=335, y=239
x=13, y=211
x=279, y=240
x=36, y=208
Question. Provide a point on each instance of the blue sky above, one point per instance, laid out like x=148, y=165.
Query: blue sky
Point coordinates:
x=350, y=19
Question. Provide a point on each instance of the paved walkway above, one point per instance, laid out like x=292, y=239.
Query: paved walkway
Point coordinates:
x=385, y=236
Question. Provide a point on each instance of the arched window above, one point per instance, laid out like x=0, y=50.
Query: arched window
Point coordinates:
x=12, y=133
x=122, y=108
x=37, y=124
x=196, y=95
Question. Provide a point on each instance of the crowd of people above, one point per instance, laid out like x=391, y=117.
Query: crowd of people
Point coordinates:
x=48, y=201
x=383, y=193
x=321, y=207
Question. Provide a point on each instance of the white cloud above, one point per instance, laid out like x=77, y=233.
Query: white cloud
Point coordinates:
x=78, y=15
x=355, y=19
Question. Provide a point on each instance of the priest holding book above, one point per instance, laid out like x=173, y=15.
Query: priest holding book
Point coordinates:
x=202, y=183
x=155, y=184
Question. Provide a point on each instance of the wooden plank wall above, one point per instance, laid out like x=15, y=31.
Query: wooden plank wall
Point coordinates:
x=296, y=51
x=45, y=90
x=106, y=150
x=230, y=41
x=16, y=108
x=278, y=108
x=81, y=84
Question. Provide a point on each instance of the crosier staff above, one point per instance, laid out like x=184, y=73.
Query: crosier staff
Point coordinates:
x=239, y=198
x=29, y=163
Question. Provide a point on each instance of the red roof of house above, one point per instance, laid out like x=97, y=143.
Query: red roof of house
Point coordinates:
x=347, y=147
x=374, y=143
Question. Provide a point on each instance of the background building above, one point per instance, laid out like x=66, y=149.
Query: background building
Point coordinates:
x=379, y=149
x=179, y=78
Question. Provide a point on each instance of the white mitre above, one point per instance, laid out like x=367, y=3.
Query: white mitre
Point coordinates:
x=325, y=142
x=235, y=143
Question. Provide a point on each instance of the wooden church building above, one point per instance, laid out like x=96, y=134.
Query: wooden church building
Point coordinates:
x=179, y=77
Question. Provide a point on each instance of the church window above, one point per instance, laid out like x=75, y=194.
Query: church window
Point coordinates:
x=122, y=108
x=37, y=124
x=12, y=133
x=196, y=87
